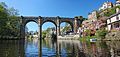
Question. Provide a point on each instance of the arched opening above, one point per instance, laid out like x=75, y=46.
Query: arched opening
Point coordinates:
x=31, y=38
x=49, y=29
x=66, y=28
x=49, y=36
x=31, y=29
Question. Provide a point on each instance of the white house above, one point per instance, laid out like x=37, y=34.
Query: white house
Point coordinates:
x=117, y=3
x=113, y=22
x=106, y=5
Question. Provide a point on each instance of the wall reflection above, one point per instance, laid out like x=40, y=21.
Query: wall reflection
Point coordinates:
x=12, y=48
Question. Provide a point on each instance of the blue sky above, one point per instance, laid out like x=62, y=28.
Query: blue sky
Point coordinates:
x=64, y=8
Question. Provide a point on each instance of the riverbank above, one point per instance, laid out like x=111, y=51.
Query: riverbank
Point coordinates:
x=9, y=38
x=111, y=36
x=87, y=38
x=69, y=37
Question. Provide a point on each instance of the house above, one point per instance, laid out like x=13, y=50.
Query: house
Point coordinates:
x=113, y=22
x=106, y=5
x=117, y=3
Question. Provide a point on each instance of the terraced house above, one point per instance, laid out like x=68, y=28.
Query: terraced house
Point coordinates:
x=113, y=22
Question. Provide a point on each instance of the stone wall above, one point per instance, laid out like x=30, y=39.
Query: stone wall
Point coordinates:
x=113, y=36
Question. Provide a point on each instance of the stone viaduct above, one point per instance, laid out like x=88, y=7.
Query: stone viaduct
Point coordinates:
x=74, y=22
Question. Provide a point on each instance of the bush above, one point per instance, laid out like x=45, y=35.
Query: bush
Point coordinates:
x=110, y=11
x=101, y=33
x=88, y=31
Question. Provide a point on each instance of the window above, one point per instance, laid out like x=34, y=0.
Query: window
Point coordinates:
x=117, y=18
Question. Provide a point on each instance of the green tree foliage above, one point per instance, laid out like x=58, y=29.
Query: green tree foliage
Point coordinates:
x=117, y=7
x=110, y=11
x=101, y=33
x=44, y=34
x=87, y=31
x=48, y=30
x=67, y=27
x=9, y=23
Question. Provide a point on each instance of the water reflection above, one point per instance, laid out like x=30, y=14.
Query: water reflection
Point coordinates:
x=31, y=47
x=12, y=48
x=70, y=48
x=59, y=48
x=49, y=48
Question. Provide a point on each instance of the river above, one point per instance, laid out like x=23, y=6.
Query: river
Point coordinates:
x=60, y=48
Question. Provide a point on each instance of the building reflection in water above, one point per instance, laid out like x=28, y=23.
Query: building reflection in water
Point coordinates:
x=12, y=48
x=70, y=48
x=102, y=49
x=58, y=48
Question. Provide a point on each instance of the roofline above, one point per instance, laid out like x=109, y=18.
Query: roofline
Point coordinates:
x=114, y=15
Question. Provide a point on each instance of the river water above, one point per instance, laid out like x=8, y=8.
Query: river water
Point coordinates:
x=60, y=48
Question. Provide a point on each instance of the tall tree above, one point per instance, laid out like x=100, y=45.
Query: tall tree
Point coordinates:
x=9, y=23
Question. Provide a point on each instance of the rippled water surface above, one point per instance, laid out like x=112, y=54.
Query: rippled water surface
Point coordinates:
x=60, y=48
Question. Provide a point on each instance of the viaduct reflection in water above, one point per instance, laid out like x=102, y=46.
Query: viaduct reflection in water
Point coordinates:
x=60, y=48
x=12, y=48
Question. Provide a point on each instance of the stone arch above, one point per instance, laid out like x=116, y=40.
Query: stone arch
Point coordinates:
x=51, y=22
x=69, y=22
x=27, y=21
x=24, y=21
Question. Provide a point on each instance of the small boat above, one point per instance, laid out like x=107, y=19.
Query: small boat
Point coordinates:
x=93, y=40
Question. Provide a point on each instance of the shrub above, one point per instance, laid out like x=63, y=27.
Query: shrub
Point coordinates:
x=101, y=33
x=87, y=31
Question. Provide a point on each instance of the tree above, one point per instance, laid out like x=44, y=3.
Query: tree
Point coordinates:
x=44, y=34
x=9, y=21
x=110, y=11
x=67, y=27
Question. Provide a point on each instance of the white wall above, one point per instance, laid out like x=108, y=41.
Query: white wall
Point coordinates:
x=109, y=27
x=113, y=19
x=108, y=21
